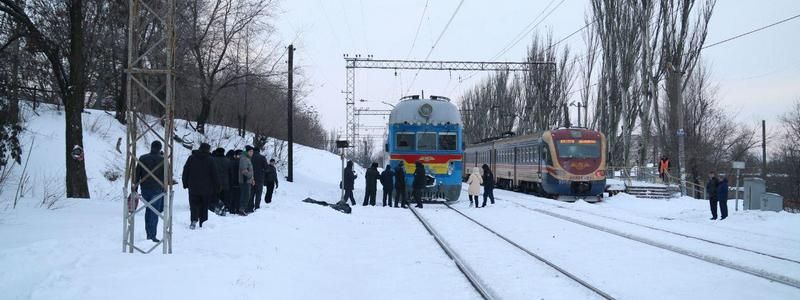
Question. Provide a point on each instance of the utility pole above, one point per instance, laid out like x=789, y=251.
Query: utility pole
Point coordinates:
x=676, y=77
x=290, y=111
x=764, y=149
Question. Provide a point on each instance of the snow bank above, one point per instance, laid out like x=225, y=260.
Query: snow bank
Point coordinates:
x=286, y=250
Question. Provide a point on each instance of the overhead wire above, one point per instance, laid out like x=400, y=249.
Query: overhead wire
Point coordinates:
x=523, y=33
x=751, y=32
x=419, y=26
x=444, y=30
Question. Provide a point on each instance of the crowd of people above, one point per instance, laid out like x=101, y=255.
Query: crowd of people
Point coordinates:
x=222, y=182
x=393, y=182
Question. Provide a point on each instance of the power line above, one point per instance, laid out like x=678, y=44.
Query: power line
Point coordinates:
x=751, y=31
x=437, y=42
x=419, y=26
x=524, y=32
x=527, y=31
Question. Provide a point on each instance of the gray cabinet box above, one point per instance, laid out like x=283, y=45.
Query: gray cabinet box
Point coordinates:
x=754, y=188
x=771, y=202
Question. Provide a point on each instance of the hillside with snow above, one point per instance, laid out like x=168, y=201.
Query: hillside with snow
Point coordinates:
x=56, y=248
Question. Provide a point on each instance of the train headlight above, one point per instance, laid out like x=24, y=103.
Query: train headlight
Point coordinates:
x=600, y=173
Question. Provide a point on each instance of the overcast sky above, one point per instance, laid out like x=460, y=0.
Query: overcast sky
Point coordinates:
x=758, y=75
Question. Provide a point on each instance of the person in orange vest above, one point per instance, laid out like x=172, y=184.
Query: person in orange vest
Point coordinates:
x=663, y=168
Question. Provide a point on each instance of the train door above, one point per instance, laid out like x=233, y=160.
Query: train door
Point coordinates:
x=493, y=161
x=514, y=162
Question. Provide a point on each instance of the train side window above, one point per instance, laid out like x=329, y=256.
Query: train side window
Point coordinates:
x=404, y=141
x=426, y=141
x=448, y=141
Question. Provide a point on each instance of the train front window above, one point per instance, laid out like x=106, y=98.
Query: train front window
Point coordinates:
x=426, y=141
x=578, y=148
x=448, y=141
x=405, y=141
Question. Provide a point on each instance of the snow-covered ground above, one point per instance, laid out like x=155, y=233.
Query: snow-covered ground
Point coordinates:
x=292, y=249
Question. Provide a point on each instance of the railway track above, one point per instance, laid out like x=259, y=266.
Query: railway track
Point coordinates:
x=688, y=236
x=774, y=277
x=480, y=284
x=667, y=231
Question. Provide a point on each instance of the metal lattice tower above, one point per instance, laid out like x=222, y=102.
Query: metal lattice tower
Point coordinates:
x=353, y=63
x=150, y=108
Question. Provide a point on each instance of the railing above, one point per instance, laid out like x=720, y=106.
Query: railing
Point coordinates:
x=651, y=175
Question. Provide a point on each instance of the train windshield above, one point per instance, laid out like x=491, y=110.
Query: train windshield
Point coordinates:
x=448, y=141
x=426, y=141
x=405, y=141
x=578, y=148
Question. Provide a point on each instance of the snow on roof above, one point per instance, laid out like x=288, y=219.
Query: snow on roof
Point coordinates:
x=442, y=112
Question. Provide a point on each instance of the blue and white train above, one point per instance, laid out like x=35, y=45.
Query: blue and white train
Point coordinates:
x=429, y=131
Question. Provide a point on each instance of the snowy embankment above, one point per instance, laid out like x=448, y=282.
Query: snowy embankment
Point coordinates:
x=54, y=248
x=287, y=250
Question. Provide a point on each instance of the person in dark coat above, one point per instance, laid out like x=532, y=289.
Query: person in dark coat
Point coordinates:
x=246, y=181
x=401, y=198
x=722, y=197
x=387, y=181
x=419, y=183
x=259, y=174
x=270, y=180
x=349, y=182
x=371, y=178
x=233, y=179
x=152, y=189
x=224, y=182
x=200, y=177
x=488, y=184
x=711, y=191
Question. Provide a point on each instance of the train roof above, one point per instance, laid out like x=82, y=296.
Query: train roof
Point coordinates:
x=521, y=139
x=436, y=110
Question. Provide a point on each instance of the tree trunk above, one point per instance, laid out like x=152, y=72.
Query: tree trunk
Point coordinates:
x=77, y=186
x=205, y=111
x=121, y=105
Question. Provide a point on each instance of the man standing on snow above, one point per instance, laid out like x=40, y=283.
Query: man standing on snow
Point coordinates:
x=349, y=182
x=711, y=191
x=371, y=178
x=221, y=163
x=259, y=174
x=271, y=180
x=400, y=198
x=200, y=177
x=246, y=181
x=488, y=185
x=722, y=197
x=152, y=188
x=233, y=178
x=387, y=181
x=420, y=181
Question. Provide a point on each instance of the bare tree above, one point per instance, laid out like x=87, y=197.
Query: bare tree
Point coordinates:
x=684, y=29
x=617, y=25
x=67, y=63
x=215, y=27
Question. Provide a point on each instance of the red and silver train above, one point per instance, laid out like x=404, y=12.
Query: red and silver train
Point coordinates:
x=565, y=163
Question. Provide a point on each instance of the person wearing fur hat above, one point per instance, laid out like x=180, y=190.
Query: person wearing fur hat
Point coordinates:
x=246, y=181
x=200, y=177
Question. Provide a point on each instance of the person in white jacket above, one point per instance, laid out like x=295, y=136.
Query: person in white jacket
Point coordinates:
x=475, y=181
